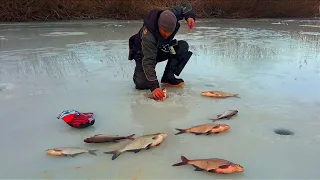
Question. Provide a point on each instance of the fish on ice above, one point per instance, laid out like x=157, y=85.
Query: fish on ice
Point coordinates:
x=165, y=93
x=101, y=138
x=69, y=151
x=218, y=94
x=226, y=115
x=204, y=129
x=214, y=165
x=139, y=143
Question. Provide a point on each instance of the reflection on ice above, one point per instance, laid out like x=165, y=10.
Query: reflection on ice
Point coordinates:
x=25, y=64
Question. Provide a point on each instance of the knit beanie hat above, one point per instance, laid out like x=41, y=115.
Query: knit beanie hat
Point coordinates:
x=167, y=21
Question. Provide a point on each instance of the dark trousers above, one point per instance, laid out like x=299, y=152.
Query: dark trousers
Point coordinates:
x=176, y=63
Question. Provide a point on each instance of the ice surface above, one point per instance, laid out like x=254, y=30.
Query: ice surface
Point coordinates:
x=274, y=68
x=310, y=25
x=63, y=34
x=311, y=33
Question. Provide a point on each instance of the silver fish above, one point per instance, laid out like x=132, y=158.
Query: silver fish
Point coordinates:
x=226, y=115
x=141, y=142
x=101, y=138
x=69, y=151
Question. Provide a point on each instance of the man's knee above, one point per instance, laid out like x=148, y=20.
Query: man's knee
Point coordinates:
x=183, y=47
x=140, y=81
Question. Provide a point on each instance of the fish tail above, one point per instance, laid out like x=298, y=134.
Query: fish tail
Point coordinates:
x=236, y=95
x=213, y=119
x=184, y=161
x=181, y=131
x=93, y=152
x=130, y=137
x=115, y=153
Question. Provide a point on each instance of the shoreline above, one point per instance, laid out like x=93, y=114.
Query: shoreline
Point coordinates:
x=57, y=10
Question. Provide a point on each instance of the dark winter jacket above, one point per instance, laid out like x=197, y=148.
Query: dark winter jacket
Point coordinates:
x=148, y=40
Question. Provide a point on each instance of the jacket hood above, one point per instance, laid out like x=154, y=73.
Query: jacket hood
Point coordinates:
x=150, y=20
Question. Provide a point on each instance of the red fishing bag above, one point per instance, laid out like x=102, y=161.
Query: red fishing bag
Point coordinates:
x=77, y=119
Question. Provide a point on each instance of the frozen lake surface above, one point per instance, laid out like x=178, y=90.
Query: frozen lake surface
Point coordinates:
x=274, y=66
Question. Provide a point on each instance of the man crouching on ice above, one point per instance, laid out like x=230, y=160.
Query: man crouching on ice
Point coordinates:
x=154, y=43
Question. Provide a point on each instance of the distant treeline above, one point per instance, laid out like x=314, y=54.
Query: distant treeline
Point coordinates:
x=44, y=10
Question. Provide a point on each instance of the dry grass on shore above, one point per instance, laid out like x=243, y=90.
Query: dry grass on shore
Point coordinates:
x=43, y=10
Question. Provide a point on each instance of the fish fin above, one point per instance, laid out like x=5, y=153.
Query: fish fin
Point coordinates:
x=184, y=161
x=197, y=168
x=149, y=146
x=131, y=136
x=212, y=170
x=72, y=155
x=65, y=154
x=137, y=150
x=93, y=152
x=217, y=132
x=197, y=133
x=134, y=150
x=179, y=164
x=208, y=133
x=87, y=140
x=213, y=119
x=224, y=166
x=115, y=153
x=181, y=131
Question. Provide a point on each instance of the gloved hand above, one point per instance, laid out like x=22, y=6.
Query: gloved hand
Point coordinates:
x=158, y=94
x=76, y=119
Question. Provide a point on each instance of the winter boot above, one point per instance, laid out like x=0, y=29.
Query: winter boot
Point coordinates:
x=168, y=77
x=175, y=67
